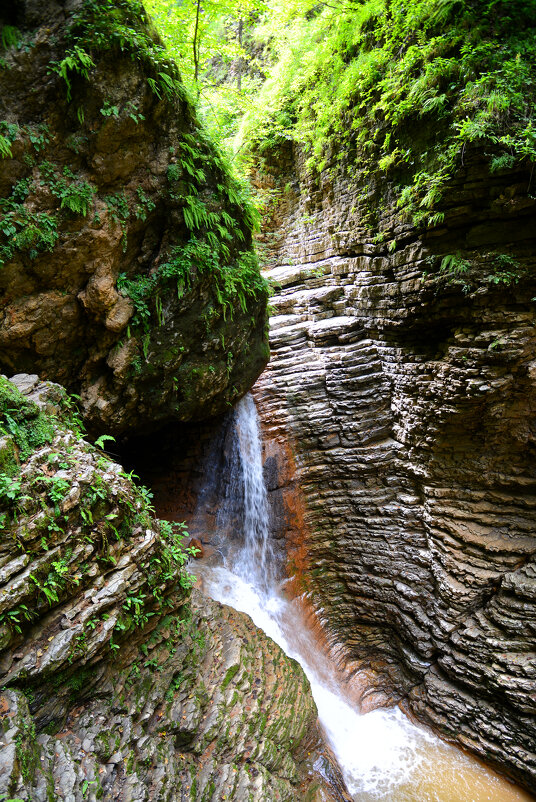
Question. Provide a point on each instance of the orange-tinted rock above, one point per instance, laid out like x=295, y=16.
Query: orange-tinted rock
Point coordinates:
x=197, y=547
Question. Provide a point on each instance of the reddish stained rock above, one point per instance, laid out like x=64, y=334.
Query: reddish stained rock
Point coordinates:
x=195, y=543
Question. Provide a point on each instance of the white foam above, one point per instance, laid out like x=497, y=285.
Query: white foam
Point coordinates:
x=378, y=751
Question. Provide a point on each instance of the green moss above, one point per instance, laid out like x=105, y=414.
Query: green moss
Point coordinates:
x=26, y=751
x=229, y=674
x=27, y=425
x=8, y=456
x=23, y=421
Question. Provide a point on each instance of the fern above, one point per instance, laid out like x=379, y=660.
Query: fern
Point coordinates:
x=154, y=87
x=75, y=61
x=454, y=265
x=167, y=83
x=78, y=198
x=5, y=147
x=10, y=36
x=195, y=213
x=233, y=284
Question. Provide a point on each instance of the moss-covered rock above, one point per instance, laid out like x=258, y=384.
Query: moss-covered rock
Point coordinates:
x=127, y=271
x=117, y=680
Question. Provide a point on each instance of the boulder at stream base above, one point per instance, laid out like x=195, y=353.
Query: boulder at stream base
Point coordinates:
x=127, y=272
x=118, y=681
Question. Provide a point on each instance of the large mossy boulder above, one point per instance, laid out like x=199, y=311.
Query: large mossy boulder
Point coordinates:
x=126, y=267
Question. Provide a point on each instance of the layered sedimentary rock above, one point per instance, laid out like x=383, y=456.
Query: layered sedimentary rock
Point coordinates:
x=406, y=395
x=122, y=235
x=116, y=681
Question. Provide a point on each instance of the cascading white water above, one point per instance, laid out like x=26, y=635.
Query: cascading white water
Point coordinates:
x=382, y=755
x=255, y=564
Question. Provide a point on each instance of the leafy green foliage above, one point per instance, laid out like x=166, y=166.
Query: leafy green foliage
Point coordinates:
x=8, y=134
x=145, y=205
x=506, y=270
x=58, y=577
x=32, y=500
x=376, y=78
x=233, y=283
x=10, y=36
x=5, y=147
x=74, y=193
x=470, y=272
x=78, y=197
x=55, y=487
x=99, y=442
x=165, y=570
x=121, y=26
x=454, y=265
x=24, y=230
x=208, y=41
x=26, y=423
x=174, y=555
x=22, y=420
x=16, y=617
x=219, y=222
x=9, y=489
x=75, y=61
x=32, y=232
x=214, y=234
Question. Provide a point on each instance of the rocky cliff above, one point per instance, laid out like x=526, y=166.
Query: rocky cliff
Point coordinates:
x=117, y=682
x=127, y=273
x=400, y=401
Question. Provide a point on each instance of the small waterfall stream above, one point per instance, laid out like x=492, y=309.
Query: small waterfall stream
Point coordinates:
x=382, y=754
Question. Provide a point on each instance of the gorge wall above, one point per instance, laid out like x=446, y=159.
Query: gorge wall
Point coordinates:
x=127, y=273
x=400, y=401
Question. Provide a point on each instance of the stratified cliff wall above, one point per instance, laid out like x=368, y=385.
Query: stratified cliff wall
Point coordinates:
x=406, y=395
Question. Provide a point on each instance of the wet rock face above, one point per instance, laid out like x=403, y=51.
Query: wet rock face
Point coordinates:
x=117, y=682
x=95, y=190
x=409, y=404
x=188, y=715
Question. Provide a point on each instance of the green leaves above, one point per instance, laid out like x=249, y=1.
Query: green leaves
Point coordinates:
x=99, y=442
x=234, y=283
x=454, y=265
x=10, y=36
x=5, y=147
x=208, y=40
x=9, y=489
x=75, y=61
x=365, y=78
x=77, y=197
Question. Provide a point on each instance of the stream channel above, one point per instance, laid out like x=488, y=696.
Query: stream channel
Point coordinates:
x=381, y=753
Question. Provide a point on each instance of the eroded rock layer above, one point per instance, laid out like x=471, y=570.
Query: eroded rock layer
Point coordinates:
x=117, y=682
x=406, y=394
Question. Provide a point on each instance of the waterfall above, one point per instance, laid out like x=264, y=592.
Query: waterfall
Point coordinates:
x=256, y=560
x=382, y=755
